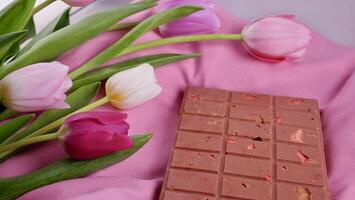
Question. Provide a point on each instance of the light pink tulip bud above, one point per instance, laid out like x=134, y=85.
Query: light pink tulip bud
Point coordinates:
x=94, y=134
x=201, y=22
x=78, y=3
x=36, y=87
x=276, y=38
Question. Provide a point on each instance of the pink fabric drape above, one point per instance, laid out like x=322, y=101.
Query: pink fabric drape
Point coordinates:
x=325, y=73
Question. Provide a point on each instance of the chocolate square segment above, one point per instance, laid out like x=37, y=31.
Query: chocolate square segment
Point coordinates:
x=246, y=146
x=206, y=94
x=202, y=107
x=196, y=160
x=250, y=129
x=258, y=114
x=251, y=99
x=308, y=105
x=201, y=123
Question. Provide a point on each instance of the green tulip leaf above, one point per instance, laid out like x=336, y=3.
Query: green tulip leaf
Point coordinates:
x=31, y=29
x=145, y=26
x=11, y=188
x=107, y=71
x=11, y=38
x=150, y=0
x=7, y=113
x=15, y=16
x=71, y=36
x=11, y=52
x=12, y=126
x=8, y=43
x=14, y=50
x=55, y=25
x=76, y=100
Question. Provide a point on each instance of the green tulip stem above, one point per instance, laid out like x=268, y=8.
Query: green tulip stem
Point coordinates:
x=42, y=6
x=28, y=141
x=162, y=42
x=177, y=40
x=123, y=26
x=61, y=121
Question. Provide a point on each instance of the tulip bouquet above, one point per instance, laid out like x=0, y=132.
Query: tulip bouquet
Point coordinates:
x=43, y=100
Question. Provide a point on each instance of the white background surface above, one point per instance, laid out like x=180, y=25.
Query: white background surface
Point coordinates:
x=333, y=19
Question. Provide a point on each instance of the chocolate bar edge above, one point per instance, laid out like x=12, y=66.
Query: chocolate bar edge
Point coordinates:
x=171, y=153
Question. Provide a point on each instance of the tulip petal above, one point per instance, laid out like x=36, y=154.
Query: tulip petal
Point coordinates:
x=119, y=128
x=277, y=35
x=36, y=87
x=262, y=55
x=297, y=54
x=142, y=95
x=204, y=21
x=81, y=126
x=66, y=85
x=78, y=3
x=276, y=38
x=101, y=117
x=95, y=143
x=20, y=108
x=58, y=105
x=53, y=102
x=132, y=87
x=124, y=84
x=44, y=77
x=174, y=3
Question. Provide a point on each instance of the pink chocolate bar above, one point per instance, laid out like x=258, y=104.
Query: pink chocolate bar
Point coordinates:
x=242, y=146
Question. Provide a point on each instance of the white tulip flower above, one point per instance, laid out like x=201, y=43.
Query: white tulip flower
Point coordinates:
x=132, y=87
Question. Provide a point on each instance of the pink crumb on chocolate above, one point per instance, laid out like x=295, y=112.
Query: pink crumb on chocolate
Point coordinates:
x=302, y=157
x=249, y=96
x=298, y=136
x=277, y=120
x=268, y=178
x=195, y=98
x=296, y=101
x=251, y=146
x=303, y=194
x=231, y=140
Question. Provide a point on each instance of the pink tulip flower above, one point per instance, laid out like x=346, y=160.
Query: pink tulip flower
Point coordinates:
x=36, y=87
x=202, y=22
x=94, y=134
x=276, y=38
x=78, y=3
